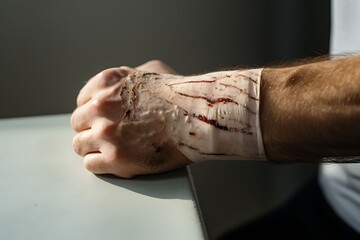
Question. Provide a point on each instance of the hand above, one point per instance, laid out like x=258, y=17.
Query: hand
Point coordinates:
x=113, y=136
x=132, y=122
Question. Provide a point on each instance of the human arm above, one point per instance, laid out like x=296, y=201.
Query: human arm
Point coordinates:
x=109, y=146
x=311, y=112
x=131, y=122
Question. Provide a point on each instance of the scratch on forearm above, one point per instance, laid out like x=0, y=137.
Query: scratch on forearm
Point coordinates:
x=203, y=153
x=240, y=90
x=211, y=102
x=193, y=81
x=248, y=78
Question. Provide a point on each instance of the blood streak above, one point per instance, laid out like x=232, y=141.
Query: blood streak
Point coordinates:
x=247, y=77
x=149, y=74
x=216, y=124
x=241, y=90
x=203, y=153
x=246, y=130
x=200, y=81
x=212, y=122
x=218, y=100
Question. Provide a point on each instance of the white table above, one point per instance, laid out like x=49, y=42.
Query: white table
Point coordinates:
x=45, y=192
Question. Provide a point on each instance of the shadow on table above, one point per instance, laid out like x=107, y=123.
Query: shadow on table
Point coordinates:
x=170, y=185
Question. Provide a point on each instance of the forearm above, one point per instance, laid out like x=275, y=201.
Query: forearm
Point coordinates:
x=131, y=122
x=210, y=116
x=312, y=111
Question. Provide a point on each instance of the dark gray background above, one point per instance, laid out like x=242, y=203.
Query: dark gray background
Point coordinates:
x=48, y=49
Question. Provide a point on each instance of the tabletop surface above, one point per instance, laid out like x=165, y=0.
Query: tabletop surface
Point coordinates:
x=47, y=194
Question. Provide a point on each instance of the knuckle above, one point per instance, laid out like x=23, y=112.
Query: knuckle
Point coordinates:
x=155, y=62
x=102, y=103
x=109, y=77
x=97, y=105
x=104, y=96
x=107, y=130
x=125, y=70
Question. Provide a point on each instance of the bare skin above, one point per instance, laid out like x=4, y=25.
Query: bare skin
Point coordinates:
x=308, y=112
x=311, y=112
x=103, y=149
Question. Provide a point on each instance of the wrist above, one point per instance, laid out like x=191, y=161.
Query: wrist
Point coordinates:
x=210, y=116
x=219, y=116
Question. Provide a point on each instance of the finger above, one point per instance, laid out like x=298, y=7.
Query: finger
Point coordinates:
x=85, y=142
x=102, y=80
x=96, y=163
x=82, y=118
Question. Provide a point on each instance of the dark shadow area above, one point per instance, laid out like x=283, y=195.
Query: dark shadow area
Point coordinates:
x=295, y=29
x=170, y=185
x=243, y=190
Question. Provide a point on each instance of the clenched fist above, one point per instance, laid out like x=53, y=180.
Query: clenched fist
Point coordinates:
x=137, y=121
x=117, y=131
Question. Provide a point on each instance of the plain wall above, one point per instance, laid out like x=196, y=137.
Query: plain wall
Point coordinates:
x=48, y=49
